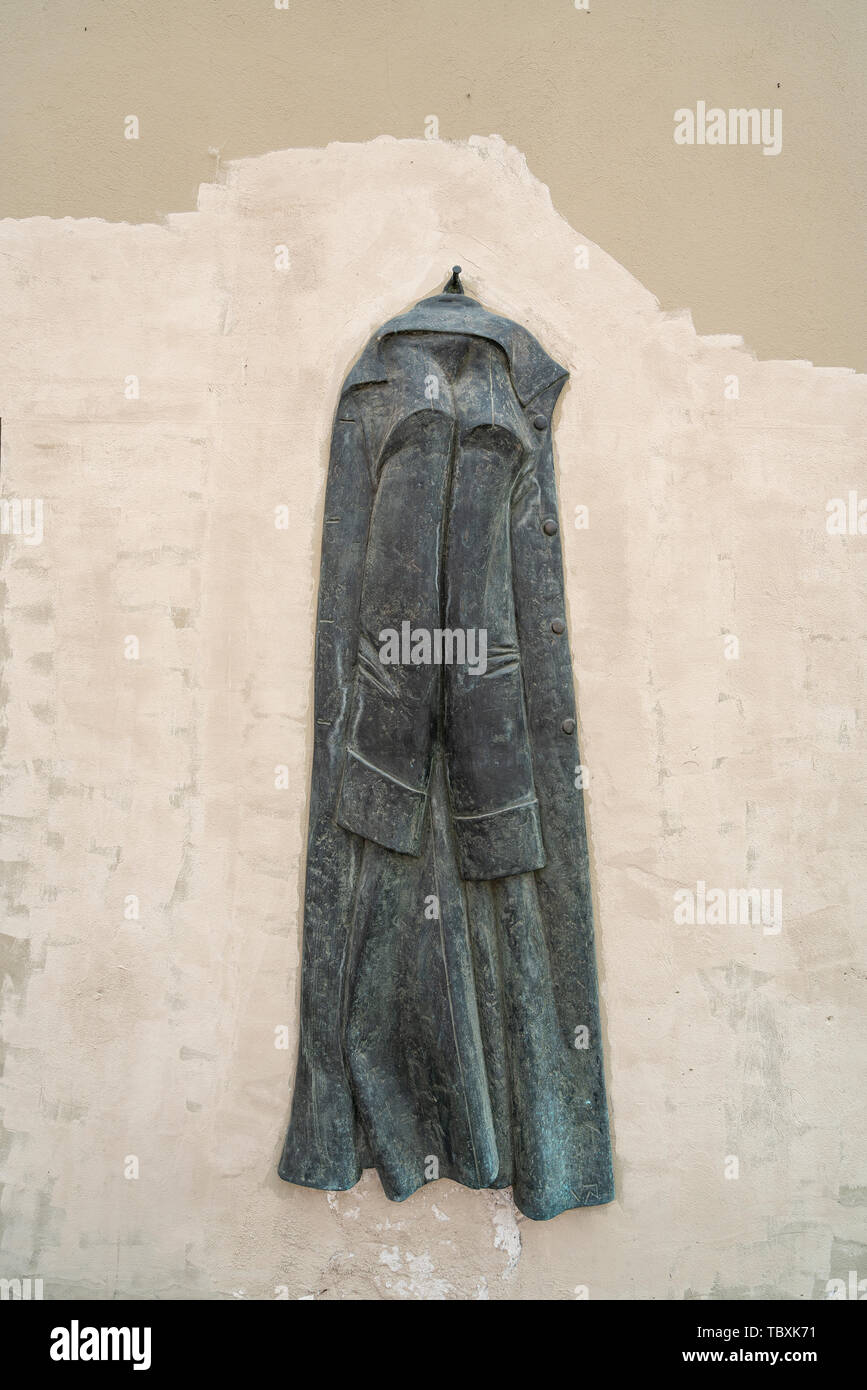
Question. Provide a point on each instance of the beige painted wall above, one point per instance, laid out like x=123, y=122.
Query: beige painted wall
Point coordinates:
x=770, y=247
x=154, y=776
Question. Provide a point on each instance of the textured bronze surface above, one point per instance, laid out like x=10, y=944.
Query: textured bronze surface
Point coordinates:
x=449, y=1002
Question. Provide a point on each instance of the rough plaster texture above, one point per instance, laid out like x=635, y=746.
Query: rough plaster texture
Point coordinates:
x=155, y=777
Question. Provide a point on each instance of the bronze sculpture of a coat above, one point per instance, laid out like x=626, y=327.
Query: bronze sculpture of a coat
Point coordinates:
x=449, y=1014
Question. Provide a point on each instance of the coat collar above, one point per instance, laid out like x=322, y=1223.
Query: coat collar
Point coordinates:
x=532, y=369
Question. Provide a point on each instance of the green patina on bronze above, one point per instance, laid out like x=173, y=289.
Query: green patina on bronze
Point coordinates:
x=449, y=1012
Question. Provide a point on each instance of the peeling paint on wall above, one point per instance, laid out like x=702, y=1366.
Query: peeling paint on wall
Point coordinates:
x=153, y=384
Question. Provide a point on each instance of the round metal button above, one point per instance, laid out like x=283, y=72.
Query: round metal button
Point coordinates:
x=549, y=527
x=558, y=626
x=540, y=422
x=568, y=726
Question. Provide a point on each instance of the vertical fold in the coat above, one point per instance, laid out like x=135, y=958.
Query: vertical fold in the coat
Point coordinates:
x=563, y=886
x=324, y=1145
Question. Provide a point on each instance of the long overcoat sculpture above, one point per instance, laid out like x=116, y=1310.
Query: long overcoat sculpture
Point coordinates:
x=449, y=1014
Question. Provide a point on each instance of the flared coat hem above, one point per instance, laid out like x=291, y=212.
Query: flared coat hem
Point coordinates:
x=534, y=1213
